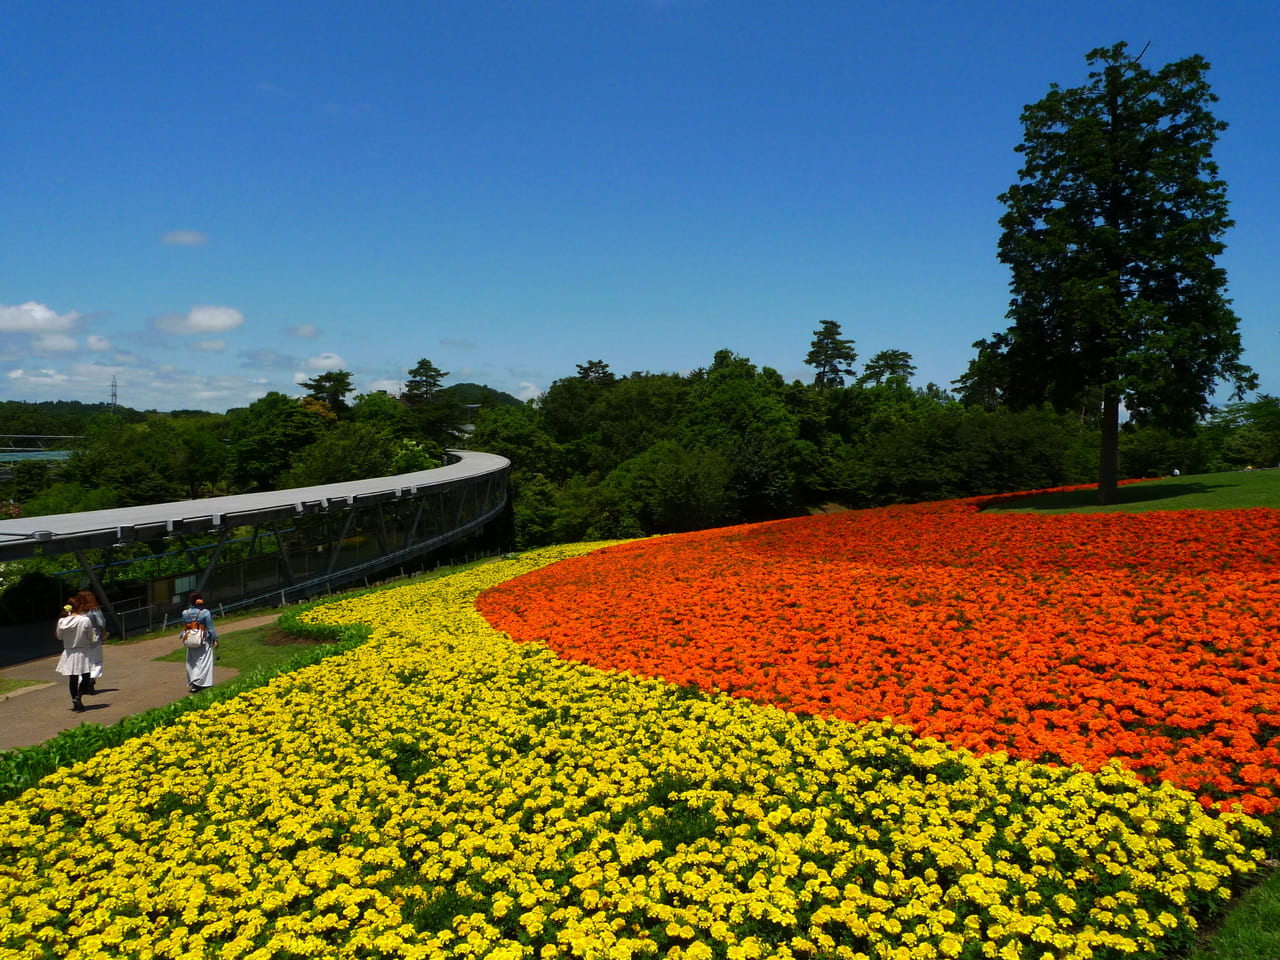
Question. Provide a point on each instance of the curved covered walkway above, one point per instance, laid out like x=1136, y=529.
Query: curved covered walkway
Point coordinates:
x=253, y=549
x=67, y=532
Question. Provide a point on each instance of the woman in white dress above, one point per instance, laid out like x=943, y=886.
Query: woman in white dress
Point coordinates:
x=200, y=659
x=75, y=630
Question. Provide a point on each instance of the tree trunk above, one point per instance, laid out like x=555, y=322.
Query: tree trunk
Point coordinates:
x=1109, y=458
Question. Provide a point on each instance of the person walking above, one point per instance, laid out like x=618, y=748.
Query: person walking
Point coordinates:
x=200, y=657
x=89, y=605
x=75, y=630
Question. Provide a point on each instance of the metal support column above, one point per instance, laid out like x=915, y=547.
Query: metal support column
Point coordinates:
x=341, y=539
x=203, y=579
x=98, y=590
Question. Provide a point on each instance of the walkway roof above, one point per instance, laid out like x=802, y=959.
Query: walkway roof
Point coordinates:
x=65, y=532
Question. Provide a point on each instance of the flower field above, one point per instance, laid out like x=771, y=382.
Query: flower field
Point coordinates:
x=1074, y=639
x=445, y=791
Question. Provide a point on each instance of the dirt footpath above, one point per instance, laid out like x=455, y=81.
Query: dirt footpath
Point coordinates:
x=132, y=681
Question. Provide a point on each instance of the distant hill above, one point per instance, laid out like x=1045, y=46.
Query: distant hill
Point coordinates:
x=478, y=394
x=54, y=417
x=70, y=417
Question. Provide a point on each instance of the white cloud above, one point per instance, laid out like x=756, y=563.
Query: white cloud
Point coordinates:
x=212, y=346
x=32, y=317
x=326, y=361
x=97, y=343
x=160, y=386
x=55, y=343
x=527, y=391
x=142, y=383
x=184, y=238
x=77, y=381
x=392, y=387
x=203, y=319
x=38, y=377
x=306, y=331
x=458, y=344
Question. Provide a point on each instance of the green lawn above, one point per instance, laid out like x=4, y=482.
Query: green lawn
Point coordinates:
x=1206, y=491
x=1251, y=930
x=8, y=686
x=245, y=650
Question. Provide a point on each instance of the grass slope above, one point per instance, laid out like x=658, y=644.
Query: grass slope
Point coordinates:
x=1239, y=490
x=247, y=649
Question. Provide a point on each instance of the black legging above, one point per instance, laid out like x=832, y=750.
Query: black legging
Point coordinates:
x=75, y=683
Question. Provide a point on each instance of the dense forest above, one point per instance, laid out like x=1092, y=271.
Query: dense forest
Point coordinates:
x=603, y=455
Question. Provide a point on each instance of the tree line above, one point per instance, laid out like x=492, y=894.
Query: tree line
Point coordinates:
x=600, y=455
x=125, y=457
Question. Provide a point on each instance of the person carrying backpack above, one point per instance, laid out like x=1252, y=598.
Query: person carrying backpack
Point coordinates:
x=200, y=640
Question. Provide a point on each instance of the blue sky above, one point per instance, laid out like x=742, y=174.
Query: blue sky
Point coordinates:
x=211, y=200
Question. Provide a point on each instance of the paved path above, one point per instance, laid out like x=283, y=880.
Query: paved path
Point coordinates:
x=133, y=681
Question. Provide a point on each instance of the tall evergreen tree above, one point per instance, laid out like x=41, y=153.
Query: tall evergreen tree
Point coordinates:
x=425, y=381
x=596, y=371
x=331, y=389
x=985, y=381
x=888, y=365
x=831, y=356
x=1111, y=235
